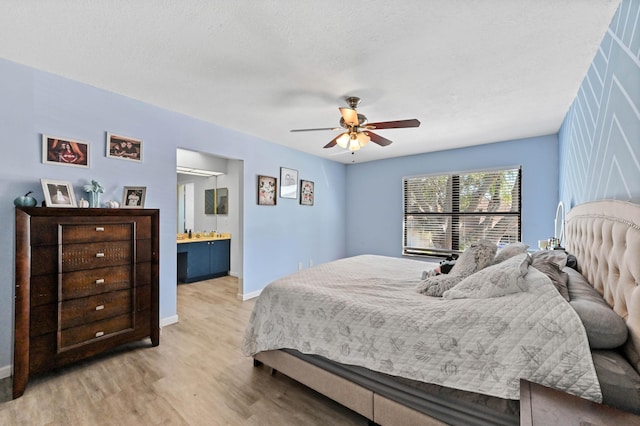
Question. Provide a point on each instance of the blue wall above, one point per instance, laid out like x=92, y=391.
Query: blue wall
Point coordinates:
x=600, y=137
x=374, y=193
x=274, y=239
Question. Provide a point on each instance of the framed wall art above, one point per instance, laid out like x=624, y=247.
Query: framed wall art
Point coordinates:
x=267, y=187
x=133, y=197
x=124, y=148
x=288, y=183
x=58, y=193
x=65, y=151
x=306, y=192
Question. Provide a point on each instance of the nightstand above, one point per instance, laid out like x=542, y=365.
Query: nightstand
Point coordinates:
x=544, y=406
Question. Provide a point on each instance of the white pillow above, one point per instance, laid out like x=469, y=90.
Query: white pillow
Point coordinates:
x=497, y=280
x=510, y=250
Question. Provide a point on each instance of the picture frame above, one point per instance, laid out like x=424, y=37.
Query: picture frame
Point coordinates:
x=306, y=192
x=65, y=151
x=124, y=148
x=267, y=187
x=288, y=183
x=133, y=197
x=58, y=193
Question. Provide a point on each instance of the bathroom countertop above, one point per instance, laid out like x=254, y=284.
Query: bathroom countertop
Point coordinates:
x=200, y=237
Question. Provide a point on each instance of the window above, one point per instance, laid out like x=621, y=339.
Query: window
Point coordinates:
x=446, y=213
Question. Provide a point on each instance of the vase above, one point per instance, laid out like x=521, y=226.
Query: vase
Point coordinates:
x=94, y=199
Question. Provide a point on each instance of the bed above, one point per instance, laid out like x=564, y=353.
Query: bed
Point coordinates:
x=444, y=371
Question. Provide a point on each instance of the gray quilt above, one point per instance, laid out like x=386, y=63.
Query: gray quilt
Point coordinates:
x=365, y=311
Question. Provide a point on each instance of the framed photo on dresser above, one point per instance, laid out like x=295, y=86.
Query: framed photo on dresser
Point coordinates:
x=58, y=193
x=133, y=197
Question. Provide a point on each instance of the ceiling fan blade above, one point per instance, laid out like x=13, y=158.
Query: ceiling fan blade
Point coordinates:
x=333, y=142
x=350, y=116
x=378, y=139
x=393, y=124
x=313, y=130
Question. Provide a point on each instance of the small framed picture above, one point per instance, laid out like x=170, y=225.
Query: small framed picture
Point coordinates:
x=124, y=148
x=133, y=197
x=306, y=192
x=288, y=183
x=58, y=193
x=267, y=187
x=66, y=152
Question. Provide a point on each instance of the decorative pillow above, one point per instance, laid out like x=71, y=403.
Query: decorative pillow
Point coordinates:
x=605, y=329
x=497, y=280
x=557, y=256
x=553, y=271
x=510, y=250
x=478, y=256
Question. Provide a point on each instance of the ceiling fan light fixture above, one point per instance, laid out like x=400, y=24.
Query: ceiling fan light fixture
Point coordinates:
x=354, y=143
x=356, y=128
x=343, y=140
x=363, y=139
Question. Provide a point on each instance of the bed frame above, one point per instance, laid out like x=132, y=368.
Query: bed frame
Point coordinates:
x=605, y=238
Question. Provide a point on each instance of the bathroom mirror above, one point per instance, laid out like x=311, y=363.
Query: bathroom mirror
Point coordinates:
x=209, y=201
x=558, y=230
x=222, y=201
x=185, y=207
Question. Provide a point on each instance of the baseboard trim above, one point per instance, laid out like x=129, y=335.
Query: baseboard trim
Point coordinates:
x=248, y=296
x=168, y=321
x=5, y=371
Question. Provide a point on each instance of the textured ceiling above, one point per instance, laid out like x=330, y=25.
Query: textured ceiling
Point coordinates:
x=471, y=71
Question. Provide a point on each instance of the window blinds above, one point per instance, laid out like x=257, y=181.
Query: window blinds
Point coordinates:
x=446, y=213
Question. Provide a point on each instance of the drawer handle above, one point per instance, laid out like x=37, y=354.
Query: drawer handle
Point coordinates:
x=100, y=281
x=100, y=333
x=99, y=307
x=99, y=254
x=99, y=228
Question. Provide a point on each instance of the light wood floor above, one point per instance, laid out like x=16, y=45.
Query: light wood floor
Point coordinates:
x=197, y=376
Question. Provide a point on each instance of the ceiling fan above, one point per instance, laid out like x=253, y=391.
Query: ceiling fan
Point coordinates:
x=358, y=131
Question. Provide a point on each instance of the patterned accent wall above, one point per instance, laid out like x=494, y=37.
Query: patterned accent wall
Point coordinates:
x=600, y=136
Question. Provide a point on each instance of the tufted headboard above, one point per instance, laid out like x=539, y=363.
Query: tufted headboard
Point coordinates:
x=605, y=238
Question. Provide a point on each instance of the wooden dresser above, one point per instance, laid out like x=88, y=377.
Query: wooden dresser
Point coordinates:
x=86, y=282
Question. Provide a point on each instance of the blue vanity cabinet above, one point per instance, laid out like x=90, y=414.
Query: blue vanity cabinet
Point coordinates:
x=220, y=258
x=203, y=260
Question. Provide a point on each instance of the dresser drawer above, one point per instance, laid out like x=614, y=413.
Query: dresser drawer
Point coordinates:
x=94, y=308
x=92, y=232
x=48, y=314
x=86, y=333
x=44, y=288
x=95, y=281
x=76, y=257
x=45, y=259
x=47, y=230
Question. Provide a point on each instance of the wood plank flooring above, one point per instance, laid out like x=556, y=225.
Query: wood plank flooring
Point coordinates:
x=197, y=376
